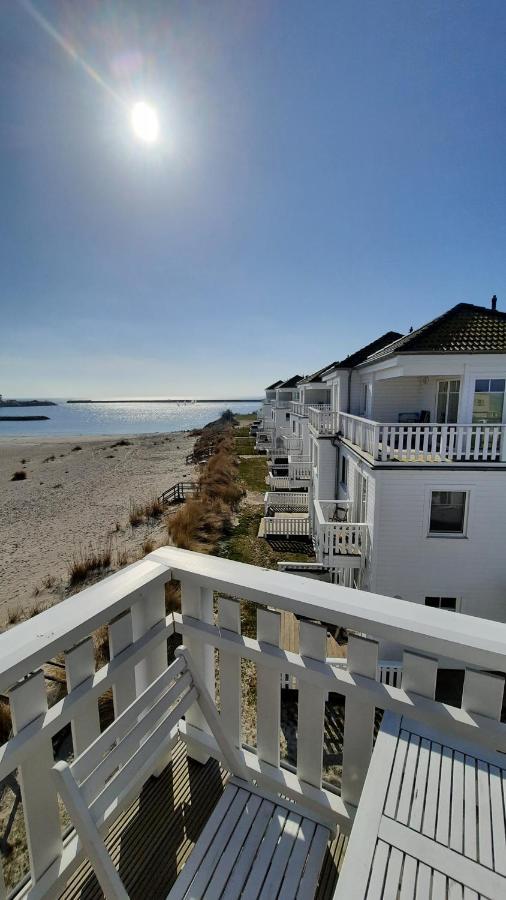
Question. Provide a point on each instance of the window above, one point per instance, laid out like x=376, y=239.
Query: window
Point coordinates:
x=344, y=470
x=447, y=401
x=447, y=512
x=488, y=400
x=287, y=417
x=449, y=603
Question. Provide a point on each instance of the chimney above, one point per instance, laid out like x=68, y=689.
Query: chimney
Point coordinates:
x=494, y=302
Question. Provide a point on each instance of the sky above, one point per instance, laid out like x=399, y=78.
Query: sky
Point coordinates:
x=325, y=172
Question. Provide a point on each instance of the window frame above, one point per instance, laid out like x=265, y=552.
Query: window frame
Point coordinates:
x=457, y=489
x=344, y=469
x=439, y=599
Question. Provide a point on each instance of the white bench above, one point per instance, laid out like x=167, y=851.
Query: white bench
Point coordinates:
x=254, y=845
x=431, y=820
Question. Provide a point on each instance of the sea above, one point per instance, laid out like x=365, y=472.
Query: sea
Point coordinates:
x=118, y=418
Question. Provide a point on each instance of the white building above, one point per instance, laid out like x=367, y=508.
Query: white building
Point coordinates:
x=405, y=463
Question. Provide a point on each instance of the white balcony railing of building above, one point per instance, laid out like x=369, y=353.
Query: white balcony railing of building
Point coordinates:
x=428, y=442
x=335, y=536
x=130, y=606
x=286, y=526
x=302, y=409
x=292, y=444
x=286, y=501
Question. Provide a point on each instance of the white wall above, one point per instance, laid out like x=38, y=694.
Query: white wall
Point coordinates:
x=408, y=563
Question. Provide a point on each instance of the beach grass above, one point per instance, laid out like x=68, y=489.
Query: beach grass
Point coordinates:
x=253, y=472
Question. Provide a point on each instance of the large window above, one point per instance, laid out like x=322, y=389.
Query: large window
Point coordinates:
x=344, y=470
x=488, y=400
x=448, y=512
x=447, y=401
x=449, y=603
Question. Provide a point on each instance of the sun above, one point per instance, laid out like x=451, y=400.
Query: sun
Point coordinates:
x=145, y=123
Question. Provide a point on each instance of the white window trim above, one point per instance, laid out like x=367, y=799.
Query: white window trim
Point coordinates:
x=454, y=488
x=458, y=602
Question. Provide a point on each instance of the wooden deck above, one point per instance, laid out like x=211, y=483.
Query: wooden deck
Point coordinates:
x=152, y=840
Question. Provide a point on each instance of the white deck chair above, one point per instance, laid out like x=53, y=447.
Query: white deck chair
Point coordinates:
x=269, y=846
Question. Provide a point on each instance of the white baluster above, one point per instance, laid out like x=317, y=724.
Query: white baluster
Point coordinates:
x=483, y=694
x=419, y=674
x=358, y=720
x=147, y=612
x=229, y=619
x=268, y=690
x=311, y=708
x=121, y=637
x=28, y=701
x=80, y=667
x=197, y=602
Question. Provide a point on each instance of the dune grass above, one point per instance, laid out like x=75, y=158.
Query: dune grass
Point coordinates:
x=88, y=561
x=253, y=472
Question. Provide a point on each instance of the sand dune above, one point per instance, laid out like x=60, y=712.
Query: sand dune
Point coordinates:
x=75, y=499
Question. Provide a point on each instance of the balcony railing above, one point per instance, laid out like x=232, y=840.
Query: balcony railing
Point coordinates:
x=302, y=409
x=430, y=442
x=291, y=443
x=337, y=537
x=129, y=608
x=286, y=501
x=286, y=526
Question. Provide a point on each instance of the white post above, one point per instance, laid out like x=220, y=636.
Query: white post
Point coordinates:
x=80, y=667
x=358, y=720
x=28, y=701
x=147, y=612
x=229, y=619
x=311, y=710
x=197, y=602
x=268, y=691
x=121, y=637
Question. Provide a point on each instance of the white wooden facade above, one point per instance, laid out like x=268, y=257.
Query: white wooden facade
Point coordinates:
x=375, y=438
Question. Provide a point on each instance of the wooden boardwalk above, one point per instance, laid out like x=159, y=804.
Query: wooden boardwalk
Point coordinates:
x=152, y=840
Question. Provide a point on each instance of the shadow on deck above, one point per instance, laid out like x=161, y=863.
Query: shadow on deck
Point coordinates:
x=152, y=840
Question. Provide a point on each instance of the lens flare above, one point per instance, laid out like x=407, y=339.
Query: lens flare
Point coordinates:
x=144, y=119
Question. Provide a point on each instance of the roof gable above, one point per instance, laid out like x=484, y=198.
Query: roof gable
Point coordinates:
x=292, y=382
x=463, y=329
x=273, y=387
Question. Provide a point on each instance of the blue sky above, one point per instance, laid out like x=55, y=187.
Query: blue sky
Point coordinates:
x=326, y=171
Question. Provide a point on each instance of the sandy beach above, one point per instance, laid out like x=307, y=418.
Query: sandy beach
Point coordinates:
x=73, y=498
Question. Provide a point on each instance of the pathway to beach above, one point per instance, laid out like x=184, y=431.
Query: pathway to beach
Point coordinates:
x=77, y=492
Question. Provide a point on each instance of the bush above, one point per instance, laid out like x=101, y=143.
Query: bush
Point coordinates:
x=88, y=562
x=200, y=524
x=20, y=475
x=148, y=546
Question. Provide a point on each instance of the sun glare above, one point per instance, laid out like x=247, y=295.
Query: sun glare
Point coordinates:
x=144, y=119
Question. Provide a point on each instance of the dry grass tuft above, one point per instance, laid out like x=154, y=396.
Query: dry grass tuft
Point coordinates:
x=88, y=562
x=172, y=596
x=20, y=475
x=13, y=615
x=218, y=479
x=5, y=720
x=121, y=558
x=136, y=515
x=154, y=508
x=148, y=546
x=200, y=524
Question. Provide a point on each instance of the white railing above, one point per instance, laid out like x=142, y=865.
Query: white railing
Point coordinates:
x=278, y=482
x=299, y=470
x=130, y=606
x=280, y=501
x=302, y=409
x=323, y=420
x=286, y=526
x=431, y=442
x=335, y=536
x=292, y=444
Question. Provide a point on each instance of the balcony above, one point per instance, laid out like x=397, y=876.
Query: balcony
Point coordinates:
x=338, y=540
x=323, y=764
x=430, y=442
x=296, y=475
x=292, y=444
x=288, y=526
x=286, y=501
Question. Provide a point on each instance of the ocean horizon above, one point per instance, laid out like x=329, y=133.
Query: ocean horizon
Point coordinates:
x=113, y=417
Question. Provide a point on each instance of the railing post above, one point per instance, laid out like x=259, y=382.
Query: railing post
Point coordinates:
x=147, y=612
x=80, y=667
x=197, y=602
x=358, y=720
x=28, y=701
x=311, y=708
x=229, y=619
x=121, y=637
x=268, y=691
